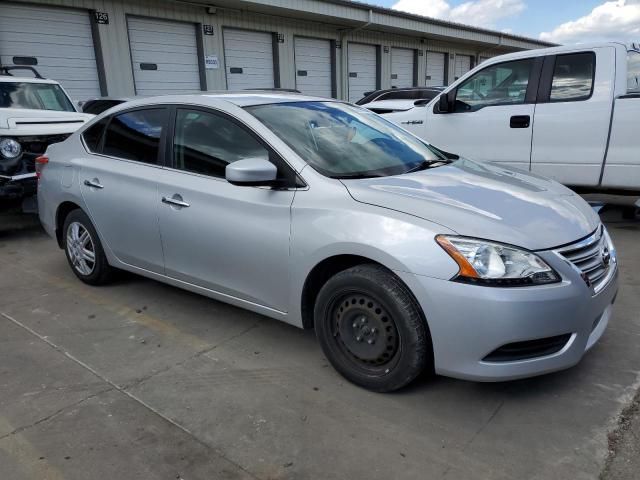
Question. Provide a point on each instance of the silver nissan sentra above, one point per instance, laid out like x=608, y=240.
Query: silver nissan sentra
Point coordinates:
x=404, y=258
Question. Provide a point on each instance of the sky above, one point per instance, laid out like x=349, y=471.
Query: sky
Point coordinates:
x=559, y=21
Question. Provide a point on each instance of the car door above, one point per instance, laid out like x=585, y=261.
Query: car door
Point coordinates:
x=492, y=116
x=573, y=115
x=118, y=185
x=230, y=239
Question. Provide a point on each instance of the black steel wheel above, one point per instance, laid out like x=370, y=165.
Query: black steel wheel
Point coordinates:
x=371, y=329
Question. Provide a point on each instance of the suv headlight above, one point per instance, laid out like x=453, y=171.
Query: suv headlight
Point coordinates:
x=488, y=263
x=9, y=149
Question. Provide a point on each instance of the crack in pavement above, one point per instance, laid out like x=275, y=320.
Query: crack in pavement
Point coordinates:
x=121, y=389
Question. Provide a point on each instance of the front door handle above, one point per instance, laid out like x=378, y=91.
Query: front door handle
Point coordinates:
x=520, y=121
x=176, y=200
x=95, y=183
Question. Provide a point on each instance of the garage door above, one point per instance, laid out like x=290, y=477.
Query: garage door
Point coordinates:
x=58, y=39
x=435, y=69
x=248, y=59
x=402, y=67
x=314, y=68
x=462, y=65
x=164, y=56
x=362, y=70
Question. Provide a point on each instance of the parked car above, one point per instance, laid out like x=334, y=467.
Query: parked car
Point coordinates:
x=409, y=93
x=569, y=113
x=321, y=214
x=34, y=113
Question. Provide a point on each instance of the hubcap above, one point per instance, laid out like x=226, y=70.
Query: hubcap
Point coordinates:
x=365, y=330
x=80, y=249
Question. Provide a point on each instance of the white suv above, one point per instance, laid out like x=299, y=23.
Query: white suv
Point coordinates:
x=34, y=113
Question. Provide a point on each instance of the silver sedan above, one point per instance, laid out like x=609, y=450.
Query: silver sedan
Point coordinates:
x=404, y=258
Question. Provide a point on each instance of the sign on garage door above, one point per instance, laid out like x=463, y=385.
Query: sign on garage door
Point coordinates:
x=314, y=69
x=164, y=56
x=248, y=59
x=462, y=65
x=402, y=67
x=363, y=69
x=57, y=40
x=435, y=69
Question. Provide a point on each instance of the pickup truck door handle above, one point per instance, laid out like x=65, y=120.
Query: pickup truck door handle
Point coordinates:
x=95, y=183
x=176, y=200
x=520, y=121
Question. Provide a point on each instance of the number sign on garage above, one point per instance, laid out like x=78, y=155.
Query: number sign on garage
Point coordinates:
x=58, y=42
x=314, y=66
x=164, y=55
x=248, y=58
x=436, y=67
x=363, y=70
x=403, y=69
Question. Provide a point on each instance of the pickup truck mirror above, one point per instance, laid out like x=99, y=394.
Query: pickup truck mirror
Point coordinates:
x=446, y=102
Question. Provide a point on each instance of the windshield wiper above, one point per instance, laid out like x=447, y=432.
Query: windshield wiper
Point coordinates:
x=425, y=164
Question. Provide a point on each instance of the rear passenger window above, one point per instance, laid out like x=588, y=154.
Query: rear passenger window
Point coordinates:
x=573, y=77
x=135, y=135
x=92, y=136
x=206, y=143
x=633, y=72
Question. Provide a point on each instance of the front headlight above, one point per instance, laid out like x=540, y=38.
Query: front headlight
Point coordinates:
x=489, y=263
x=10, y=149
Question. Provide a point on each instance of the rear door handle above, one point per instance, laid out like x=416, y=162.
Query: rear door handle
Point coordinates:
x=176, y=200
x=95, y=183
x=520, y=121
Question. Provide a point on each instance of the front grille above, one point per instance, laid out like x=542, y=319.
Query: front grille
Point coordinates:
x=37, y=144
x=540, y=347
x=592, y=257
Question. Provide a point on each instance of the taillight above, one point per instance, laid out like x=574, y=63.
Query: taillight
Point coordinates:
x=40, y=163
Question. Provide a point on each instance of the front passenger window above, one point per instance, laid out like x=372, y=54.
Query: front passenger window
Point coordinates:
x=501, y=84
x=206, y=143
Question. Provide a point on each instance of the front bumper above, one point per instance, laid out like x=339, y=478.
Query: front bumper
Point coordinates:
x=18, y=186
x=469, y=322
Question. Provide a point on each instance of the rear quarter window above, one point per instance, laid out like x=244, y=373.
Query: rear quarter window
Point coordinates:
x=92, y=136
x=633, y=72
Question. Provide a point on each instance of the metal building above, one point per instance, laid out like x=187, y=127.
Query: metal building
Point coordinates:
x=333, y=48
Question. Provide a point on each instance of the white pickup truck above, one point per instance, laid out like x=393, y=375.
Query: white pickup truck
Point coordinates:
x=34, y=113
x=570, y=113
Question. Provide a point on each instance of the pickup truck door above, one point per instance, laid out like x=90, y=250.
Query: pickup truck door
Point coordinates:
x=492, y=116
x=572, y=117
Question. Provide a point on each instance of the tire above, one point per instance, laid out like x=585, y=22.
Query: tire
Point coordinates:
x=77, y=248
x=371, y=329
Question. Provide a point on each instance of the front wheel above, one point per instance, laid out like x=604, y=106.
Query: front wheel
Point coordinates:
x=371, y=329
x=84, y=251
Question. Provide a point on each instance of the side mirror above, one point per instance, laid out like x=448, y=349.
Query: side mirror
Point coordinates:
x=446, y=102
x=251, y=172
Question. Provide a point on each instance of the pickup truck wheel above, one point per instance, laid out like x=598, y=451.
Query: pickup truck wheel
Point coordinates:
x=84, y=250
x=371, y=329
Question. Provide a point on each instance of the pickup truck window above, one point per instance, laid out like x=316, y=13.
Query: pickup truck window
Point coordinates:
x=573, y=76
x=500, y=84
x=633, y=72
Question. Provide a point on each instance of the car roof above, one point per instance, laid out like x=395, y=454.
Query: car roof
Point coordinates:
x=241, y=99
x=12, y=79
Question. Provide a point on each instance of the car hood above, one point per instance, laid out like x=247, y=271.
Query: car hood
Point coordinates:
x=486, y=201
x=22, y=121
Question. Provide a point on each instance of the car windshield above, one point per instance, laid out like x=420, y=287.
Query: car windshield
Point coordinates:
x=35, y=96
x=343, y=141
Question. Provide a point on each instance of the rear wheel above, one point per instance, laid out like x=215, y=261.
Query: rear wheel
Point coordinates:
x=371, y=329
x=84, y=251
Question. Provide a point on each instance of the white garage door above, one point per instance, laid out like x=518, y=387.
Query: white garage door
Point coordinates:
x=435, y=69
x=313, y=66
x=248, y=59
x=463, y=65
x=58, y=38
x=362, y=70
x=402, y=65
x=164, y=56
